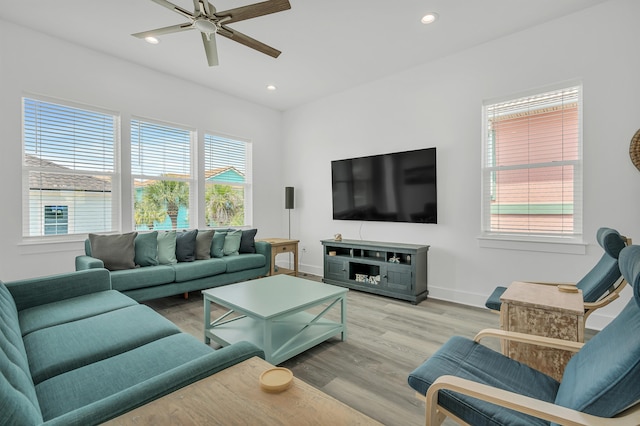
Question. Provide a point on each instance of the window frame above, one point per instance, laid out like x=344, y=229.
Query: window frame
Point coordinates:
x=535, y=241
x=27, y=213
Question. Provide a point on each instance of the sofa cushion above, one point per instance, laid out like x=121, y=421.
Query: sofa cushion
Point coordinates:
x=232, y=243
x=167, y=248
x=142, y=277
x=136, y=377
x=199, y=269
x=18, y=401
x=217, y=244
x=203, y=244
x=146, y=248
x=244, y=262
x=186, y=245
x=116, y=251
x=67, y=310
x=65, y=347
x=248, y=241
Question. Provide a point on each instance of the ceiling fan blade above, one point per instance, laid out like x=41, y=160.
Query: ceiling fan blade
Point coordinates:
x=254, y=10
x=210, y=49
x=248, y=41
x=175, y=8
x=203, y=8
x=164, y=30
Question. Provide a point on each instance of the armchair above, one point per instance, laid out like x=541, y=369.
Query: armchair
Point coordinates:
x=478, y=386
x=601, y=285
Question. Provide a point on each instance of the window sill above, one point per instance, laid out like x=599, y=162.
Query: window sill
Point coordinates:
x=546, y=245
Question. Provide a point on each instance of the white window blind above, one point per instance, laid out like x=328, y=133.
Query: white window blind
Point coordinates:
x=161, y=167
x=228, y=181
x=532, y=165
x=69, y=163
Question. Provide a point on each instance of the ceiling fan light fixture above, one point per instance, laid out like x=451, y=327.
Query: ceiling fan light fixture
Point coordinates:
x=205, y=26
x=271, y=87
x=429, y=18
x=151, y=40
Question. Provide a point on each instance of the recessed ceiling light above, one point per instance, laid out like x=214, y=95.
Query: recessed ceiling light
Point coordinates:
x=151, y=40
x=429, y=18
x=271, y=87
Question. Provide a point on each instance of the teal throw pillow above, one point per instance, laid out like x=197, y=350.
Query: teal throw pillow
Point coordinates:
x=167, y=248
x=203, y=244
x=186, y=245
x=248, y=241
x=232, y=243
x=217, y=244
x=146, y=247
x=117, y=252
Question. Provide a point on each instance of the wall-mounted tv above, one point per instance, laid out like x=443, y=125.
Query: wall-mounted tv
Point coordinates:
x=396, y=187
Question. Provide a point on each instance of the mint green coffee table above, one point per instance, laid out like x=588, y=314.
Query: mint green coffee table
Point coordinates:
x=272, y=314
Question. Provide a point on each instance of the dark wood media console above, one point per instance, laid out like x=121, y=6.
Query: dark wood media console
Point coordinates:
x=389, y=269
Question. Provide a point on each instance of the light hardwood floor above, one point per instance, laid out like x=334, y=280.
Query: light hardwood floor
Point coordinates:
x=386, y=340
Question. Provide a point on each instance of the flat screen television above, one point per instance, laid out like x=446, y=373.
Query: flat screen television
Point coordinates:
x=395, y=187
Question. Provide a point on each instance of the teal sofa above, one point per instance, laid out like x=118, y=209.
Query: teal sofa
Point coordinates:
x=152, y=282
x=75, y=352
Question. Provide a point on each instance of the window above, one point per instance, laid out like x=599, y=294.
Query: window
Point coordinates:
x=161, y=165
x=532, y=166
x=68, y=169
x=227, y=181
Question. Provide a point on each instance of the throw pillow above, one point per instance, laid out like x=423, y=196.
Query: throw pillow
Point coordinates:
x=146, y=247
x=186, y=245
x=232, y=243
x=218, y=244
x=203, y=244
x=167, y=248
x=116, y=251
x=248, y=241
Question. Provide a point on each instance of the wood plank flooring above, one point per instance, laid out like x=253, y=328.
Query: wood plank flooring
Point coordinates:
x=386, y=340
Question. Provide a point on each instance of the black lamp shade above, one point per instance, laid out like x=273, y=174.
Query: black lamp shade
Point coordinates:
x=288, y=197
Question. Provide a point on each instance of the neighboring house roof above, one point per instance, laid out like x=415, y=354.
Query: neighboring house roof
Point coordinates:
x=62, y=181
x=225, y=174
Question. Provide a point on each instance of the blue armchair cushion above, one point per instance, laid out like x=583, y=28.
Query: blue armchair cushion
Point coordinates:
x=465, y=358
x=494, y=302
x=146, y=249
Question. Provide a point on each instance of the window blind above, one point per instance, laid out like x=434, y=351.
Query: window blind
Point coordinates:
x=68, y=163
x=532, y=167
x=228, y=181
x=161, y=164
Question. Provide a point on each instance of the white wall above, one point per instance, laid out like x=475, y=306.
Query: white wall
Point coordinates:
x=32, y=63
x=439, y=104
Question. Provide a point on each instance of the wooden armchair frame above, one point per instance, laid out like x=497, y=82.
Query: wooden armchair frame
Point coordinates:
x=436, y=414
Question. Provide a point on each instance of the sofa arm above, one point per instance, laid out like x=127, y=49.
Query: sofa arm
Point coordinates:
x=39, y=291
x=264, y=248
x=159, y=386
x=87, y=262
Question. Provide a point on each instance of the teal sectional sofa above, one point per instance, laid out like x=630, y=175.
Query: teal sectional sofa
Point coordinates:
x=153, y=280
x=75, y=352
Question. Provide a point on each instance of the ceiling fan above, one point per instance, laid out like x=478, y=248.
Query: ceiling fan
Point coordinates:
x=209, y=22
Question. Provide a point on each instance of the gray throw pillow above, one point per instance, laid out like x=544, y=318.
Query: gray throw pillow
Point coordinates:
x=186, y=245
x=116, y=251
x=232, y=243
x=218, y=244
x=167, y=248
x=248, y=241
x=146, y=247
x=203, y=244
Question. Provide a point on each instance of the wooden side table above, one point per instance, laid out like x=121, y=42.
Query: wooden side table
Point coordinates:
x=541, y=310
x=279, y=246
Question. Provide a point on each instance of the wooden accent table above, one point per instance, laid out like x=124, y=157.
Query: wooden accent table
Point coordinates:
x=541, y=310
x=233, y=396
x=279, y=246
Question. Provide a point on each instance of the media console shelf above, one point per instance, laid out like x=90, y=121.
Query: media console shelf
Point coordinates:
x=389, y=269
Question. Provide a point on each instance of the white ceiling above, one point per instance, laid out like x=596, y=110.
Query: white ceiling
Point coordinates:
x=327, y=45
